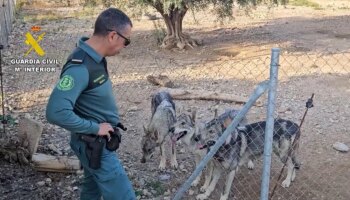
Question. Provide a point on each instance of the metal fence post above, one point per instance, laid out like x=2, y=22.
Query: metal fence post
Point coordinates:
x=270, y=123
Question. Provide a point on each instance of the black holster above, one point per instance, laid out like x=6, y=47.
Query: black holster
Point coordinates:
x=93, y=150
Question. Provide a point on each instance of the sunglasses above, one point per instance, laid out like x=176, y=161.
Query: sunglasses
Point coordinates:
x=126, y=40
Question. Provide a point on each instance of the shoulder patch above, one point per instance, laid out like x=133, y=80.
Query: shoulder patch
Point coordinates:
x=66, y=83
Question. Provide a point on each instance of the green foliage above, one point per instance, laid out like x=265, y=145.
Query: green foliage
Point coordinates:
x=156, y=186
x=305, y=3
x=159, y=32
x=9, y=118
x=90, y=3
x=223, y=8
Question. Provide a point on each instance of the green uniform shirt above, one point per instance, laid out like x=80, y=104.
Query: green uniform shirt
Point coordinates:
x=74, y=106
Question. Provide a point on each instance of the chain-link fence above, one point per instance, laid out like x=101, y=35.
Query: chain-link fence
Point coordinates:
x=323, y=171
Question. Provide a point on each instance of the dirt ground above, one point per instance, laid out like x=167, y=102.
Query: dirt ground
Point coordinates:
x=233, y=58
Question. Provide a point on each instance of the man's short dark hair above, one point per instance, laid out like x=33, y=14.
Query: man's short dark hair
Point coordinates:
x=111, y=19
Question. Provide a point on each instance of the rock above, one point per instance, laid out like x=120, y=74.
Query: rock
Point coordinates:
x=40, y=183
x=142, y=182
x=164, y=177
x=31, y=131
x=167, y=193
x=48, y=181
x=340, y=147
x=133, y=109
x=75, y=188
x=182, y=166
x=146, y=193
x=53, y=148
x=190, y=192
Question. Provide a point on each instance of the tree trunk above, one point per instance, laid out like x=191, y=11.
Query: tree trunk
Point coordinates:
x=173, y=20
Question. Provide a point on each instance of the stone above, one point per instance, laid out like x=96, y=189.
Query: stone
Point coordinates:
x=40, y=183
x=340, y=147
x=30, y=131
x=164, y=177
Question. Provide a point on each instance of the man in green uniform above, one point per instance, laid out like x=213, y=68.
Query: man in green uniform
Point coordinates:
x=83, y=103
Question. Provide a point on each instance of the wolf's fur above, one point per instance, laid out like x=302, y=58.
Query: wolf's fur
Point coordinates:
x=248, y=143
x=195, y=134
x=163, y=117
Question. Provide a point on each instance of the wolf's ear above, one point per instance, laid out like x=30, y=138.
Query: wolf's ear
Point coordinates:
x=215, y=113
x=179, y=109
x=145, y=129
x=193, y=116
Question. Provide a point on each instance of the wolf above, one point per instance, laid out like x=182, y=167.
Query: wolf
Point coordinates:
x=163, y=118
x=247, y=143
x=194, y=134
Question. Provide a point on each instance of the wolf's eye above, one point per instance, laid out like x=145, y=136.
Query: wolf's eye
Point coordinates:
x=183, y=123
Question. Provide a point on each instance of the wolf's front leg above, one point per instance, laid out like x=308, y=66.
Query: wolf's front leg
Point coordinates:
x=216, y=176
x=162, y=157
x=198, y=178
x=208, y=176
x=288, y=180
x=228, y=185
x=173, y=155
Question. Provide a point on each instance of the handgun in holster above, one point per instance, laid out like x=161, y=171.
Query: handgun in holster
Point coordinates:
x=93, y=150
x=95, y=144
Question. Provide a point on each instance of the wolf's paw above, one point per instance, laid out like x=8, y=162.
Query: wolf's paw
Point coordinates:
x=293, y=175
x=174, y=164
x=203, y=188
x=195, y=183
x=250, y=165
x=286, y=183
x=162, y=165
x=201, y=196
x=223, y=197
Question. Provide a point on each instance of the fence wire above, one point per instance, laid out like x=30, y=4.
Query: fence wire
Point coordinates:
x=323, y=171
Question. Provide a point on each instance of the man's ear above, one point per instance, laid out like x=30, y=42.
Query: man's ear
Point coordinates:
x=111, y=36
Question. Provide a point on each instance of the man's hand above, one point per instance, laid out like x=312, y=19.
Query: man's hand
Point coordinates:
x=104, y=129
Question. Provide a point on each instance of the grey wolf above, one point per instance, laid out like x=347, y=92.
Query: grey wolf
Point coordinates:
x=246, y=144
x=163, y=118
x=194, y=134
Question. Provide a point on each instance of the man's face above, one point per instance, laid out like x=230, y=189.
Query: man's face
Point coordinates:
x=117, y=40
